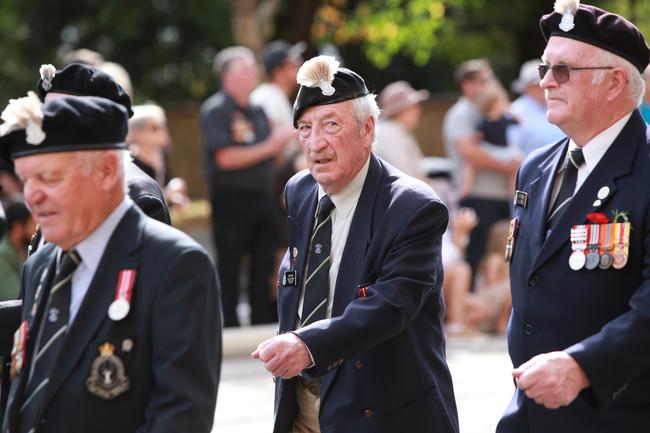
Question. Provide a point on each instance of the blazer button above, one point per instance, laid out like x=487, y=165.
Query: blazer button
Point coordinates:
x=367, y=413
x=533, y=280
x=529, y=329
x=359, y=365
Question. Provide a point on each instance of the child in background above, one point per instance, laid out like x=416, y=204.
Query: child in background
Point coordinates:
x=488, y=308
x=493, y=130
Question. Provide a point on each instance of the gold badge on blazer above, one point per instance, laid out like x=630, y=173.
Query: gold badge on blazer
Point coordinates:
x=107, y=379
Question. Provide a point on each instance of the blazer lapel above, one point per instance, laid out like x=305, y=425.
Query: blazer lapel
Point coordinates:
x=118, y=256
x=299, y=233
x=616, y=162
x=540, y=190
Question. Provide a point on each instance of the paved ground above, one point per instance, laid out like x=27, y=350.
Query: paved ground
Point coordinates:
x=480, y=368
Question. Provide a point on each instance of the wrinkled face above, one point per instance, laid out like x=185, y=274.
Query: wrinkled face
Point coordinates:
x=575, y=102
x=333, y=146
x=60, y=196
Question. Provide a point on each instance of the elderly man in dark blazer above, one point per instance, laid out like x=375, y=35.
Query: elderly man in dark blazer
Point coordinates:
x=361, y=346
x=579, y=245
x=120, y=328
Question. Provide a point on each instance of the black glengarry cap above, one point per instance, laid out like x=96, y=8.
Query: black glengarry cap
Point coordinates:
x=322, y=82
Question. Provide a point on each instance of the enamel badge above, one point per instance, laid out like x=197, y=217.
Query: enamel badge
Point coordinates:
x=107, y=377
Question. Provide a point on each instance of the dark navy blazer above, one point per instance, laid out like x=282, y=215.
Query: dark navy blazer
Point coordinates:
x=600, y=317
x=174, y=357
x=381, y=358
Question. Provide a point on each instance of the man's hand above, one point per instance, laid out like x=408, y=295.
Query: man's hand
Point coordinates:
x=285, y=355
x=551, y=379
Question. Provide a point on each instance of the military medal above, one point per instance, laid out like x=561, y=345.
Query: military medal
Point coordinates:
x=592, y=259
x=107, y=374
x=577, y=259
x=622, y=245
x=510, y=243
x=606, y=258
x=19, y=350
x=121, y=306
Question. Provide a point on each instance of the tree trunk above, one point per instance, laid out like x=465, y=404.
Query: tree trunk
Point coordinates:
x=253, y=22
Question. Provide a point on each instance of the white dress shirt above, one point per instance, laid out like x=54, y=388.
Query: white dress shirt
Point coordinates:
x=91, y=250
x=593, y=151
x=345, y=203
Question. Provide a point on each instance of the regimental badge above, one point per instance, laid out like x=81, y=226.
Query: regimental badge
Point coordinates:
x=107, y=377
x=318, y=248
x=510, y=242
x=18, y=351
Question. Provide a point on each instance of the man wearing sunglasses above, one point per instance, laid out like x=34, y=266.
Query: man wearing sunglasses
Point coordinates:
x=579, y=246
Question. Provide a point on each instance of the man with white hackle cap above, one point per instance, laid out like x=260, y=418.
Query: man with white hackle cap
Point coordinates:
x=361, y=345
x=579, y=245
x=120, y=326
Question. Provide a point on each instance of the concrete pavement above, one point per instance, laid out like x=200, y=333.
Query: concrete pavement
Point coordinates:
x=479, y=365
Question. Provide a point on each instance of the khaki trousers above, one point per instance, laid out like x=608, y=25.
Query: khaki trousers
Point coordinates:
x=308, y=396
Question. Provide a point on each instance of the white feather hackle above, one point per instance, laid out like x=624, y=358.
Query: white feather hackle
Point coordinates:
x=566, y=6
x=24, y=113
x=319, y=72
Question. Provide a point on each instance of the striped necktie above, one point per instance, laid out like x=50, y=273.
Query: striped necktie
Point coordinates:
x=53, y=328
x=567, y=187
x=317, y=284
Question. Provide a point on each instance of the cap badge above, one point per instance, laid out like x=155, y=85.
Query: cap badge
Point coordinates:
x=47, y=75
x=568, y=9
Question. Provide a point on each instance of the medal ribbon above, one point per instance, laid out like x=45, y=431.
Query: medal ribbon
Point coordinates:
x=124, y=287
x=593, y=236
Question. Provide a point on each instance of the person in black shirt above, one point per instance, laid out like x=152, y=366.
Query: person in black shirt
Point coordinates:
x=239, y=149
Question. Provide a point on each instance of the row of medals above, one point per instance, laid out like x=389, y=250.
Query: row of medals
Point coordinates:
x=601, y=246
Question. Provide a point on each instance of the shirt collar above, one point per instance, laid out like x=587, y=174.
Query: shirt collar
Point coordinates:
x=594, y=149
x=346, y=200
x=91, y=249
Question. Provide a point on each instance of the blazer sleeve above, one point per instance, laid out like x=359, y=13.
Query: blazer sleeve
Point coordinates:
x=410, y=273
x=186, y=347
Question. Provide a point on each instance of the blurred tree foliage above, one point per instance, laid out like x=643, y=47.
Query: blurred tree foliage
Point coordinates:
x=168, y=45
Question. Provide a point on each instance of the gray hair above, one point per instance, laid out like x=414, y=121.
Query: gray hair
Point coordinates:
x=635, y=83
x=225, y=58
x=88, y=159
x=365, y=107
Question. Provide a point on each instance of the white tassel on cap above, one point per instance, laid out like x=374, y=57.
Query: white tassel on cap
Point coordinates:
x=319, y=72
x=47, y=75
x=24, y=113
x=568, y=9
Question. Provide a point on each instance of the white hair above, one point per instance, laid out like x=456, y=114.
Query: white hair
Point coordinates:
x=635, y=82
x=365, y=107
x=88, y=159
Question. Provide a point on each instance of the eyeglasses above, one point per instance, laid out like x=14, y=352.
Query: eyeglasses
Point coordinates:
x=561, y=72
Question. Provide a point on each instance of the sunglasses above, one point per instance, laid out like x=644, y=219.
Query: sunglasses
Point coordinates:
x=561, y=73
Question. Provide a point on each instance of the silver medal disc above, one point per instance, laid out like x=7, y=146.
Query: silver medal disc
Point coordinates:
x=592, y=260
x=577, y=260
x=118, y=309
x=605, y=261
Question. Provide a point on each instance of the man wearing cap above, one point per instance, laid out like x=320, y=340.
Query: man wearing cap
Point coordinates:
x=120, y=326
x=400, y=112
x=361, y=346
x=580, y=240
x=533, y=129
x=83, y=80
x=239, y=149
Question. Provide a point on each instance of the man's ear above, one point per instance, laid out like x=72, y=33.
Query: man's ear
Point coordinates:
x=617, y=84
x=109, y=169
